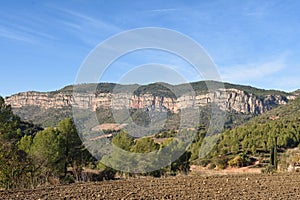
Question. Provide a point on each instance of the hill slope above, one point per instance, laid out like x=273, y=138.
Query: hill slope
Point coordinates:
x=256, y=137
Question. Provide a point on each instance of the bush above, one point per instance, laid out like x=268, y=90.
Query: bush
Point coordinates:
x=221, y=161
x=204, y=162
x=108, y=174
x=68, y=179
x=166, y=134
x=241, y=160
x=270, y=169
x=212, y=166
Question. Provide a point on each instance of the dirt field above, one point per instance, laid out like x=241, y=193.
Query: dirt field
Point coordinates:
x=251, y=186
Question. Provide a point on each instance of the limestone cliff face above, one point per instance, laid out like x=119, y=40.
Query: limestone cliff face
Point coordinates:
x=229, y=100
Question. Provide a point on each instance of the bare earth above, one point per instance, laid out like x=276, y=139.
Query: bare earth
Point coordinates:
x=228, y=171
x=240, y=186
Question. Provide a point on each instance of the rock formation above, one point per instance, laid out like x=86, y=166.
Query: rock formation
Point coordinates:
x=231, y=100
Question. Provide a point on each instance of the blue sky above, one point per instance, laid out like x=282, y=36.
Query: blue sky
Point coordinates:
x=44, y=43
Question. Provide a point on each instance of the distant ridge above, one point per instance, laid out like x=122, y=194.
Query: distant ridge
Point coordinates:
x=47, y=108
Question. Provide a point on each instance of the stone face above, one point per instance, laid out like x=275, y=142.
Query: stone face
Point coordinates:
x=229, y=100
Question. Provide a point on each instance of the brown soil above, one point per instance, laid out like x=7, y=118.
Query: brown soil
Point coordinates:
x=109, y=126
x=245, y=186
x=228, y=171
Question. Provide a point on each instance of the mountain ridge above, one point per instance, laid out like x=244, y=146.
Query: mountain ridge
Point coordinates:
x=156, y=96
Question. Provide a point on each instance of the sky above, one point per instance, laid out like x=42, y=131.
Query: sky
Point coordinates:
x=44, y=43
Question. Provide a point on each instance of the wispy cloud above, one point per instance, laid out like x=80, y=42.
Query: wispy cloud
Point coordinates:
x=253, y=71
x=25, y=29
x=287, y=83
x=70, y=24
x=11, y=34
x=155, y=59
x=163, y=10
x=256, y=12
x=89, y=30
x=262, y=9
x=83, y=18
x=33, y=32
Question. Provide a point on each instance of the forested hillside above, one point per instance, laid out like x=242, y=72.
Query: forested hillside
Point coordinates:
x=262, y=136
x=31, y=156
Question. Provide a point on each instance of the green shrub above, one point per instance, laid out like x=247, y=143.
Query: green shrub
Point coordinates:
x=221, y=161
x=270, y=169
x=204, y=162
x=241, y=160
x=212, y=166
x=68, y=179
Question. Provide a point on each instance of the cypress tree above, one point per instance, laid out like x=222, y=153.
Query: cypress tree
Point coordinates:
x=275, y=153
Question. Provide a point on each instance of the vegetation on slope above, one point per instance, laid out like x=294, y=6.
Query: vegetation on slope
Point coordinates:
x=165, y=89
x=278, y=128
x=31, y=156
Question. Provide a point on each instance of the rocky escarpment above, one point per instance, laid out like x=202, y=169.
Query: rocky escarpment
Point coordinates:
x=230, y=99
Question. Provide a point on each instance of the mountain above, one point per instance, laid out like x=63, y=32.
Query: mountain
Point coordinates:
x=47, y=108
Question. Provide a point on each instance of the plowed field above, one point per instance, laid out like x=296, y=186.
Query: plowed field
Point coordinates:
x=255, y=186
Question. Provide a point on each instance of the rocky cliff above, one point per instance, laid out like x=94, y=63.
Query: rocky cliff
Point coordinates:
x=231, y=100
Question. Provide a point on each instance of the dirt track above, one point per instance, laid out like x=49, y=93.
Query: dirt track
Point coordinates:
x=255, y=186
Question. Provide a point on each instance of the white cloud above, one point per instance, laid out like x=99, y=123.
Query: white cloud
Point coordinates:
x=253, y=71
x=163, y=10
x=10, y=34
x=261, y=10
x=90, y=30
x=154, y=58
x=70, y=24
x=288, y=83
x=87, y=19
x=25, y=29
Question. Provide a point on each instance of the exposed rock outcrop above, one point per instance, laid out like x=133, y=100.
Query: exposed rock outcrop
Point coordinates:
x=229, y=100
